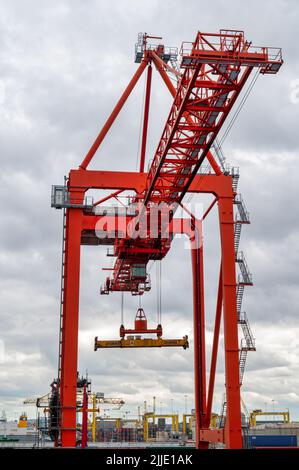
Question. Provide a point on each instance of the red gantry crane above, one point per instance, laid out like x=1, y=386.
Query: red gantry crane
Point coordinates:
x=212, y=73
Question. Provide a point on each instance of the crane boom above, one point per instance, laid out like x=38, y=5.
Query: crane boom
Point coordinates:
x=214, y=70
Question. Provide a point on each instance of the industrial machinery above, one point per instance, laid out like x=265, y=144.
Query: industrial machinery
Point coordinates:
x=207, y=77
x=190, y=421
x=137, y=341
x=51, y=407
x=285, y=415
x=153, y=416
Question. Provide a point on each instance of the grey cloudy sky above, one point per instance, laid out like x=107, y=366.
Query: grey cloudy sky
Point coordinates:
x=63, y=65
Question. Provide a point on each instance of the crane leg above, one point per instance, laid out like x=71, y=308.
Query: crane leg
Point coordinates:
x=199, y=342
x=214, y=350
x=68, y=363
x=233, y=431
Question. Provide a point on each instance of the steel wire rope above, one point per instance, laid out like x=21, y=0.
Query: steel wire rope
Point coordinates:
x=234, y=117
x=122, y=308
x=239, y=108
x=159, y=291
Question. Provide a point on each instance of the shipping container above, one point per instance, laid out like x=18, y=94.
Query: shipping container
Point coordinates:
x=271, y=441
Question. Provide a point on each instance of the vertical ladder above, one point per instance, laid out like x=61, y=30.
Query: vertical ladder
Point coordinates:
x=244, y=279
x=62, y=296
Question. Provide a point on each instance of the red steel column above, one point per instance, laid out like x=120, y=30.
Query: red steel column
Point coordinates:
x=233, y=431
x=68, y=385
x=214, y=350
x=145, y=118
x=199, y=342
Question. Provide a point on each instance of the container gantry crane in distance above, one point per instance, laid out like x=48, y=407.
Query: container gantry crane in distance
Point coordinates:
x=211, y=75
x=51, y=406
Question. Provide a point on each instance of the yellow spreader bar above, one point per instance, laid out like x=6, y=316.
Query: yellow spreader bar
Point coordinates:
x=141, y=343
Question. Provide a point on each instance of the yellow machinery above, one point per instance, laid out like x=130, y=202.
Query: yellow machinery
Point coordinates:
x=252, y=417
x=185, y=416
x=213, y=422
x=131, y=338
x=153, y=416
x=95, y=410
x=138, y=342
x=22, y=423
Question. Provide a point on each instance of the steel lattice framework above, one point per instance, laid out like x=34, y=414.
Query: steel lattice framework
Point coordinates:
x=213, y=71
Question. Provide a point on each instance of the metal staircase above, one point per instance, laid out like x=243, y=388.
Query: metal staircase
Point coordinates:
x=235, y=175
x=240, y=293
x=242, y=217
x=238, y=228
x=247, y=343
x=244, y=279
x=223, y=412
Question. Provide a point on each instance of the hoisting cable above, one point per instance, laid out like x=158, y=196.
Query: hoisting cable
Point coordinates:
x=239, y=108
x=122, y=308
x=159, y=291
x=160, y=297
x=234, y=117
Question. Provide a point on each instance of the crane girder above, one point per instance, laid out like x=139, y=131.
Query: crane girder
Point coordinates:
x=214, y=70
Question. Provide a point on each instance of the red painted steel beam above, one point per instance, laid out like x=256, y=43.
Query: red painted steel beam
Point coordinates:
x=70, y=323
x=219, y=185
x=176, y=226
x=233, y=431
x=113, y=115
x=199, y=341
x=157, y=61
x=94, y=179
x=160, y=64
x=104, y=199
x=214, y=349
x=145, y=117
x=210, y=208
x=212, y=435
